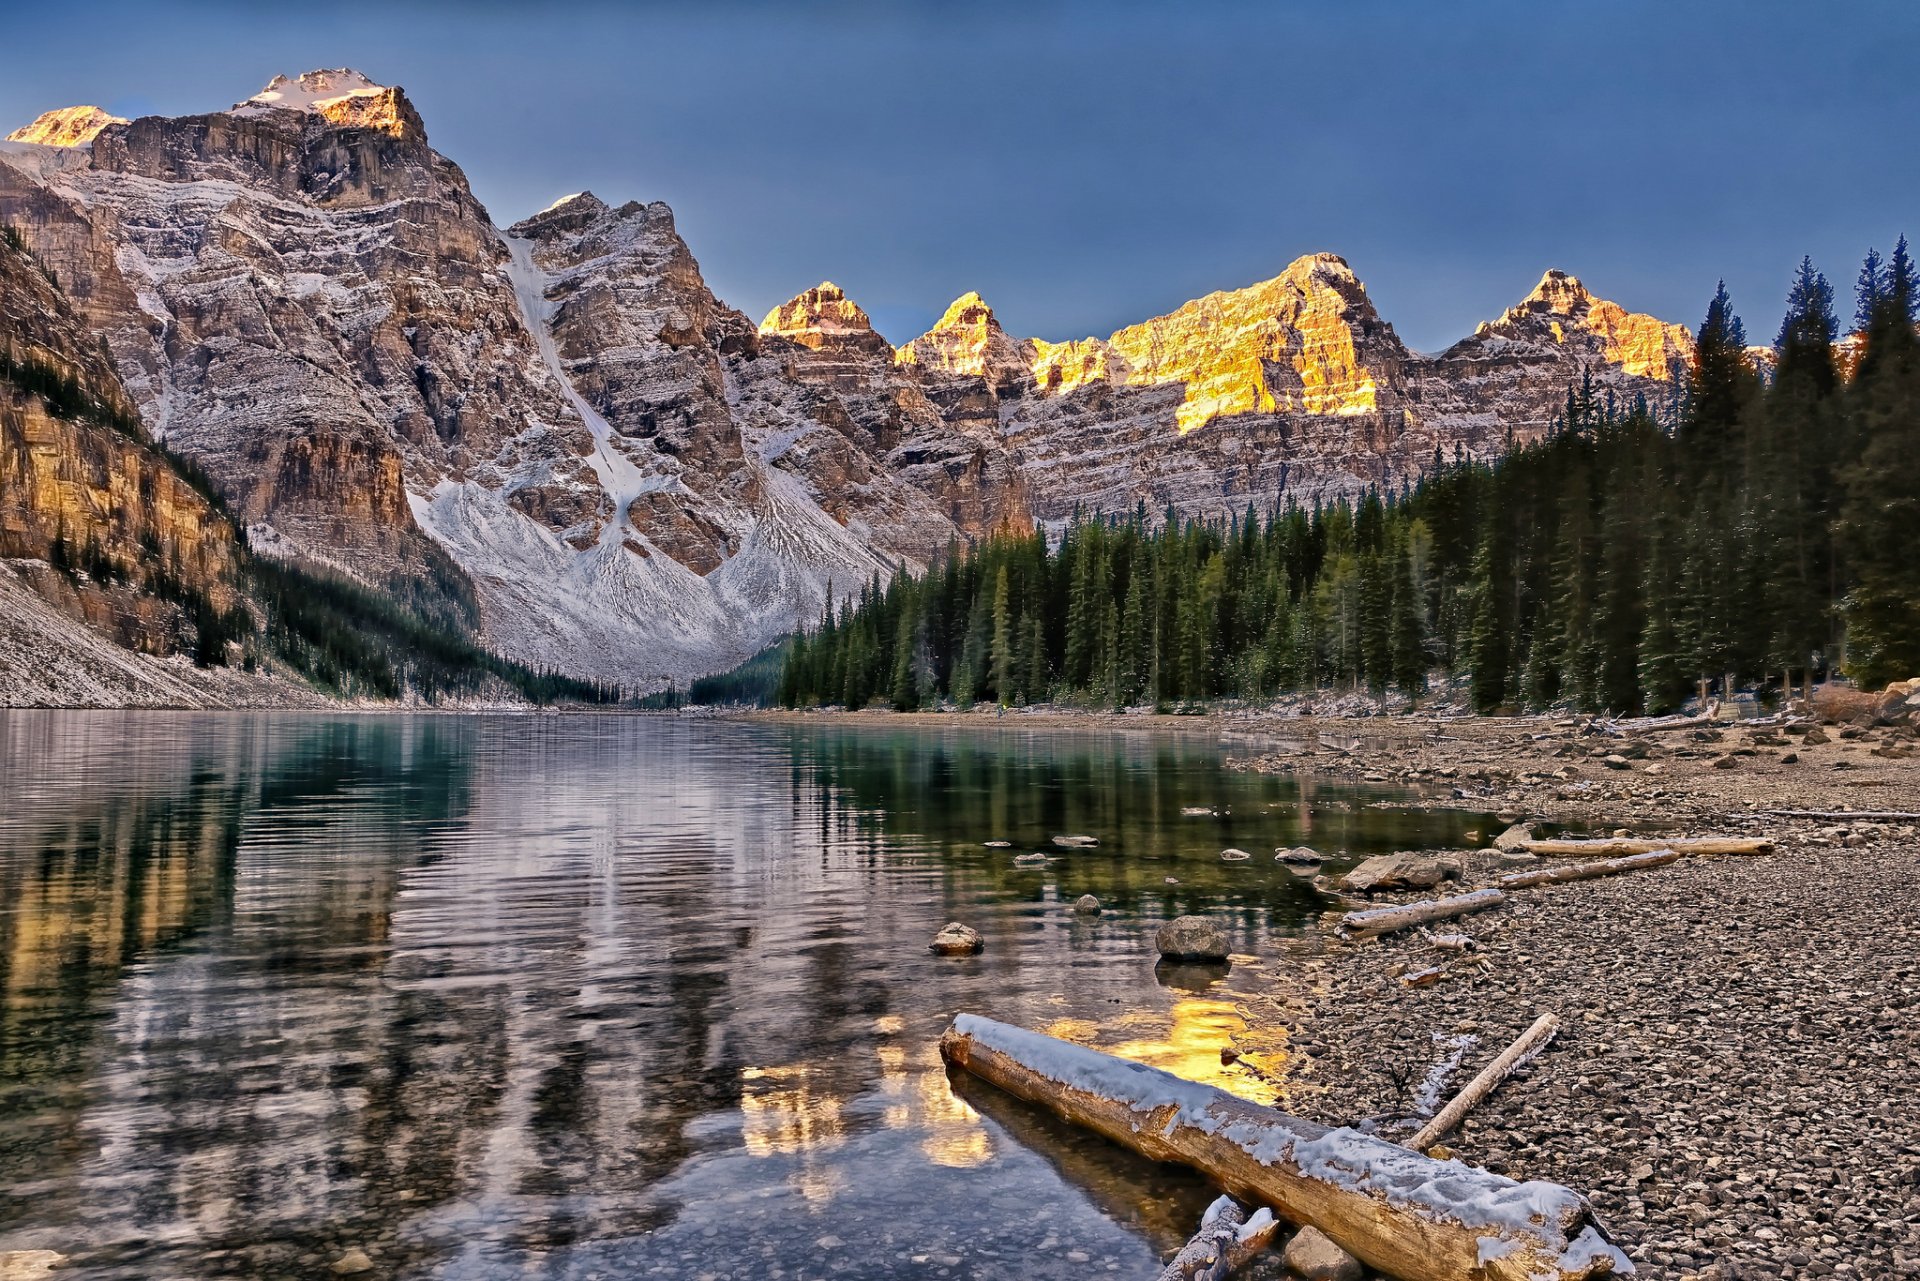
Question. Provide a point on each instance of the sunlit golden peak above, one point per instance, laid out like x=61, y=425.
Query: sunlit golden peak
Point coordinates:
x=66, y=127
x=821, y=317
x=968, y=309
x=1561, y=292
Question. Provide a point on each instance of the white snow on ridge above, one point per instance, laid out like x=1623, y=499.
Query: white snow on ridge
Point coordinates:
x=311, y=91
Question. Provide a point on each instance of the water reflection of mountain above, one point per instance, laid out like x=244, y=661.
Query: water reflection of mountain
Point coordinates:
x=573, y=994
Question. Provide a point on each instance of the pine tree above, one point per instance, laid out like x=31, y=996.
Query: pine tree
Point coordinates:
x=1880, y=509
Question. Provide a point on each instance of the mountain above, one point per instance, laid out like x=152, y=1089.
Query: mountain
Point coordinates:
x=554, y=436
x=113, y=566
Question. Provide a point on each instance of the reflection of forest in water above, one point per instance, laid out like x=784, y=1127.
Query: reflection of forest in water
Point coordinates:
x=478, y=994
x=959, y=788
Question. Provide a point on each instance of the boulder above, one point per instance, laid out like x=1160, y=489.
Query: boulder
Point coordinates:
x=1514, y=837
x=1299, y=855
x=1398, y=872
x=1087, y=905
x=955, y=939
x=1192, y=938
x=1310, y=1255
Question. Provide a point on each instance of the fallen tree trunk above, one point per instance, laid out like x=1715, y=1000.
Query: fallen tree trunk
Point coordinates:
x=1658, y=724
x=1395, y=1210
x=1619, y=846
x=1376, y=921
x=1530, y=1042
x=1863, y=816
x=1587, y=871
x=1227, y=1239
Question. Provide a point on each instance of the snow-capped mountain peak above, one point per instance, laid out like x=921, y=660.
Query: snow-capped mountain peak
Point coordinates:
x=312, y=90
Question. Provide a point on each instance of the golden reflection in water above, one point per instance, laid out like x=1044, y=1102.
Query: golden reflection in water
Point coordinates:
x=914, y=1085
x=1187, y=1041
x=786, y=1113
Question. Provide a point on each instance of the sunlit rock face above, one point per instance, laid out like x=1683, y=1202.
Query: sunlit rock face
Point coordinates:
x=66, y=127
x=825, y=319
x=927, y=413
x=1514, y=373
x=1306, y=342
x=968, y=341
x=99, y=487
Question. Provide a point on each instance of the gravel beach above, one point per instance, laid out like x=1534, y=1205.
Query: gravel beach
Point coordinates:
x=1734, y=1079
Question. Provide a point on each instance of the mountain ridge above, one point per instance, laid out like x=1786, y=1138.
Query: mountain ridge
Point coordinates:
x=639, y=483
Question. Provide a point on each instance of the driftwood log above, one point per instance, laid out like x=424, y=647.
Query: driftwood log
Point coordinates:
x=1862, y=816
x=1228, y=1239
x=1408, y=1216
x=1376, y=921
x=1529, y=1043
x=1620, y=846
x=1587, y=871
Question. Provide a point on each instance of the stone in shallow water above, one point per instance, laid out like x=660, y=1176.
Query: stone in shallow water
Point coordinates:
x=1234, y=856
x=1087, y=905
x=352, y=1262
x=1299, y=855
x=955, y=939
x=1191, y=938
x=1312, y=1256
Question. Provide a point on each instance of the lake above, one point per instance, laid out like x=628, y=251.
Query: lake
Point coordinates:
x=612, y=996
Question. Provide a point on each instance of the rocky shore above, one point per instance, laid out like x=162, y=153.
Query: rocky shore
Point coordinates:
x=1733, y=1082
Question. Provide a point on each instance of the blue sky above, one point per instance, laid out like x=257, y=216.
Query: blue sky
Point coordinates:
x=1088, y=165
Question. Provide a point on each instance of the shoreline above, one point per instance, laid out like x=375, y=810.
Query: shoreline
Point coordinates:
x=1732, y=1082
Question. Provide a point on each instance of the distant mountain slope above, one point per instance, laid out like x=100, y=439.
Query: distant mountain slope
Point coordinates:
x=556, y=436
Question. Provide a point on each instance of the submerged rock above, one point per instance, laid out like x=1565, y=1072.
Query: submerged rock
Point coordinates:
x=1076, y=842
x=955, y=939
x=1192, y=939
x=1087, y=905
x=1234, y=856
x=1311, y=1256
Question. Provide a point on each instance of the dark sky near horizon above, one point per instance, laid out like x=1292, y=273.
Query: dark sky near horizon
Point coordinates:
x=1085, y=165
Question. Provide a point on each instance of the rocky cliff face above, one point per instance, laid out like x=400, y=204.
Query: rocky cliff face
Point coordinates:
x=306, y=300
x=1515, y=372
x=91, y=516
x=1291, y=388
x=561, y=423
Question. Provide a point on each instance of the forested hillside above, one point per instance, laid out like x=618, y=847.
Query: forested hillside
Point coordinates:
x=1767, y=523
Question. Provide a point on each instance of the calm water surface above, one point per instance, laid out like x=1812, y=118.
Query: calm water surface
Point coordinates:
x=582, y=997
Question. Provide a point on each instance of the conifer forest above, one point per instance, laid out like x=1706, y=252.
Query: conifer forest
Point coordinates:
x=1763, y=525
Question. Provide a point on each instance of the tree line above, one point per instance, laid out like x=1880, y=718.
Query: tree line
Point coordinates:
x=1763, y=524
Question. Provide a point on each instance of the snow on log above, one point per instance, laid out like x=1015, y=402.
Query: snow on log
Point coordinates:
x=1405, y=1214
x=1530, y=1043
x=1228, y=1238
x=1376, y=921
x=1620, y=846
x=1587, y=871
